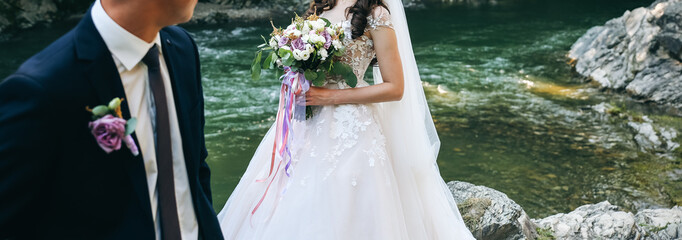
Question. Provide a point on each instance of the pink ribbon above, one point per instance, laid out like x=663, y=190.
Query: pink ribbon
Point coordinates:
x=291, y=107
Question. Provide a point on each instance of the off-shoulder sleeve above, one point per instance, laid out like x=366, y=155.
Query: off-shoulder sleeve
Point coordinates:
x=380, y=17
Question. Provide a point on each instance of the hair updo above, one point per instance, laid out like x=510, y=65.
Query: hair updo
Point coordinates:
x=360, y=10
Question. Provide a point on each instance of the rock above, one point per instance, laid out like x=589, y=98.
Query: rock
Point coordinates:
x=25, y=13
x=602, y=108
x=660, y=223
x=605, y=221
x=593, y=221
x=213, y=13
x=646, y=136
x=22, y=14
x=654, y=139
x=639, y=52
x=490, y=214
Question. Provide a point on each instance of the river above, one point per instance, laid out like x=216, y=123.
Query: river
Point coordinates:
x=510, y=112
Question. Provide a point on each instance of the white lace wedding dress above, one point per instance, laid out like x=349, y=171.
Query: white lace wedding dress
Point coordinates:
x=343, y=184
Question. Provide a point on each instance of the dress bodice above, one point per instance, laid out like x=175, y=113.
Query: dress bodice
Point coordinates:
x=360, y=51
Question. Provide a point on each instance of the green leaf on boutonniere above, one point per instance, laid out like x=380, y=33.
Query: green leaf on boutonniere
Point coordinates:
x=130, y=126
x=100, y=111
x=114, y=103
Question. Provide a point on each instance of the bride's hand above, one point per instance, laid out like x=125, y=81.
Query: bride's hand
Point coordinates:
x=319, y=96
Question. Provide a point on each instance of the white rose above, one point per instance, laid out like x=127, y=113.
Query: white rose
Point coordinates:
x=305, y=56
x=317, y=25
x=274, y=41
x=331, y=31
x=298, y=54
x=314, y=38
x=305, y=38
x=309, y=49
x=321, y=23
x=337, y=44
x=323, y=54
x=306, y=27
x=290, y=29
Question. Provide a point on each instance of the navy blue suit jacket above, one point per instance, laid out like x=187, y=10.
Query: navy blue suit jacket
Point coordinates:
x=55, y=181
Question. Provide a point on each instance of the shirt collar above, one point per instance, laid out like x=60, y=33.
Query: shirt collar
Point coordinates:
x=126, y=47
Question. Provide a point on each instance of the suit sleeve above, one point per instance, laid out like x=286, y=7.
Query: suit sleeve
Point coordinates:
x=24, y=151
x=204, y=170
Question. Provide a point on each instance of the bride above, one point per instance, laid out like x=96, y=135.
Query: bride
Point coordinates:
x=366, y=166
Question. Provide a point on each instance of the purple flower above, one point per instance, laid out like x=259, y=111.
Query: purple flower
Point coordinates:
x=283, y=41
x=328, y=39
x=109, y=132
x=298, y=44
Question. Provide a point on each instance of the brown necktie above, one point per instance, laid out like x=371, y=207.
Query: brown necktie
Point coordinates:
x=170, y=226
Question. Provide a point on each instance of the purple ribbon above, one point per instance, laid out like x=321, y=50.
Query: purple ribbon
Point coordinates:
x=291, y=107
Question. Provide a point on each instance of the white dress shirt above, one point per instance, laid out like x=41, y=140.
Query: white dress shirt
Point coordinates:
x=127, y=51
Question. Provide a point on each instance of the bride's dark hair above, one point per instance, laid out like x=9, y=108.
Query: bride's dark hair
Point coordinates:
x=360, y=11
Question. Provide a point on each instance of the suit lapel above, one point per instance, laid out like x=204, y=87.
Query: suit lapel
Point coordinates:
x=178, y=76
x=106, y=83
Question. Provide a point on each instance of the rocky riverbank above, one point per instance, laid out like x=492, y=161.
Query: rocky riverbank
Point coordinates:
x=17, y=15
x=224, y=11
x=639, y=53
x=490, y=214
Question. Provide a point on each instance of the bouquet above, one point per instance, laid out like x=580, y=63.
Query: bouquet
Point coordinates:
x=305, y=50
x=306, y=46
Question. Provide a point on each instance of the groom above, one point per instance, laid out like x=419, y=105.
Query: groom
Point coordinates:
x=58, y=181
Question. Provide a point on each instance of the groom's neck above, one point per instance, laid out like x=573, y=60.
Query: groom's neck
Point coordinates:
x=141, y=18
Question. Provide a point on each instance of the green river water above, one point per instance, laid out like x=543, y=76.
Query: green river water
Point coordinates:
x=510, y=112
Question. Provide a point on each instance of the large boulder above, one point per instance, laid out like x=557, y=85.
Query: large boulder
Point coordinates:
x=490, y=214
x=21, y=14
x=640, y=52
x=606, y=221
x=660, y=223
x=593, y=221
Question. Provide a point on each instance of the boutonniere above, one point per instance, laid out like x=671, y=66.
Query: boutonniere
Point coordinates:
x=110, y=129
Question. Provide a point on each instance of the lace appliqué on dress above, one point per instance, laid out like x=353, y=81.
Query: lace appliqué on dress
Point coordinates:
x=360, y=51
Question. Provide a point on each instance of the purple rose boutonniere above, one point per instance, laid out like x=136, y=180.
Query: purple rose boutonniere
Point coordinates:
x=110, y=129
